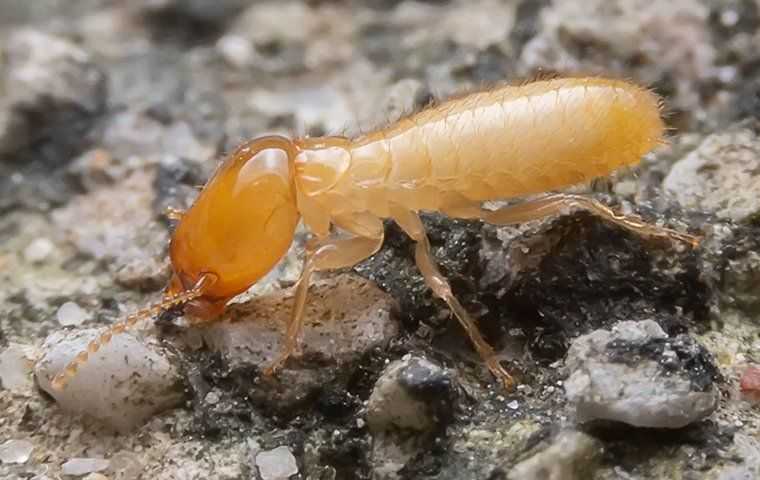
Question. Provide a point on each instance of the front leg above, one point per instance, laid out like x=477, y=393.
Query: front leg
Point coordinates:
x=330, y=253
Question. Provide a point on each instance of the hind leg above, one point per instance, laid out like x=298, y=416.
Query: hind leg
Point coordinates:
x=563, y=202
x=410, y=222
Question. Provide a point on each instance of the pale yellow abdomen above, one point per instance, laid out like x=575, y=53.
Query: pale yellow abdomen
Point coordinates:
x=508, y=142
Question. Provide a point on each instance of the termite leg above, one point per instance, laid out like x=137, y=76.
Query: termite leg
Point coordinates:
x=561, y=202
x=410, y=222
x=328, y=254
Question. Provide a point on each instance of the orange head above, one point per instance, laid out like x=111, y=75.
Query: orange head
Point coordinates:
x=240, y=226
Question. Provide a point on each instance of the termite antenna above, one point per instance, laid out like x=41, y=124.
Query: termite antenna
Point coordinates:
x=170, y=301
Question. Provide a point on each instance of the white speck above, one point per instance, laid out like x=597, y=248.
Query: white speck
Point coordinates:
x=729, y=17
x=16, y=451
x=71, y=314
x=83, y=466
x=727, y=74
x=738, y=424
x=360, y=422
x=276, y=464
x=38, y=250
x=236, y=50
x=526, y=389
x=513, y=405
x=16, y=368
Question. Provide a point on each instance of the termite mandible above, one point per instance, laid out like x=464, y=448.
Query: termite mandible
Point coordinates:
x=498, y=144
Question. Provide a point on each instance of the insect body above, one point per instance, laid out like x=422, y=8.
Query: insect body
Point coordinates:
x=498, y=144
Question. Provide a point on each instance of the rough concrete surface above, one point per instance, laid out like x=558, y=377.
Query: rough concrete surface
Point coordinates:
x=110, y=112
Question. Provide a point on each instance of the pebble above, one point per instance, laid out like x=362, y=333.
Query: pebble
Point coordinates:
x=16, y=368
x=71, y=314
x=43, y=72
x=38, y=250
x=131, y=372
x=276, y=464
x=346, y=317
x=636, y=374
x=41, y=65
x=571, y=455
x=411, y=394
x=16, y=451
x=82, y=466
x=720, y=176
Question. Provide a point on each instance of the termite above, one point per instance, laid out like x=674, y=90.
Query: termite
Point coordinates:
x=499, y=144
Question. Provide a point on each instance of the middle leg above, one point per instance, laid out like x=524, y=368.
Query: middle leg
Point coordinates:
x=410, y=222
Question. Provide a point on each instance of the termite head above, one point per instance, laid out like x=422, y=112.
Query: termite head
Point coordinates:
x=240, y=226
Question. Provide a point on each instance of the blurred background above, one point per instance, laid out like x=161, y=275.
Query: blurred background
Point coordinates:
x=111, y=111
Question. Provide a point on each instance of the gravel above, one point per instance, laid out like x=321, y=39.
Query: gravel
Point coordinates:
x=411, y=394
x=636, y=374
x=113, y=111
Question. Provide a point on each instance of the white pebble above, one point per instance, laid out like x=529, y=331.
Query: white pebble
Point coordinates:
x=276, y=464
x=71, y=314
x=236, y=50
x=16, y=368
x=38, y=250
x=83, y=466
x=16, y=451
x=513, y=405
x=130, y=372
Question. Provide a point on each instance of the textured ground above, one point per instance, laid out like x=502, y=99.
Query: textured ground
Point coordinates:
x=635, y=359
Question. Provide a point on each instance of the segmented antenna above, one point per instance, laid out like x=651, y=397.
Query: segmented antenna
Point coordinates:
x=170, y=301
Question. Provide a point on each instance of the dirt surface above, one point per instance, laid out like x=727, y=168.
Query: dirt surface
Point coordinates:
x=110, y=112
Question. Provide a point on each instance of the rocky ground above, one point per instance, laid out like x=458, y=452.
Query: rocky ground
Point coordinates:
x=636, y=359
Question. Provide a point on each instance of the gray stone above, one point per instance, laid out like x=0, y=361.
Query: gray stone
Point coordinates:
x=43, y=66
x=129, y=380
x=411, y=401
x=635, y=374
x=571, y=455
x=346, y=317
x=411, y=394
x=722, y=176
x=44, y=72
